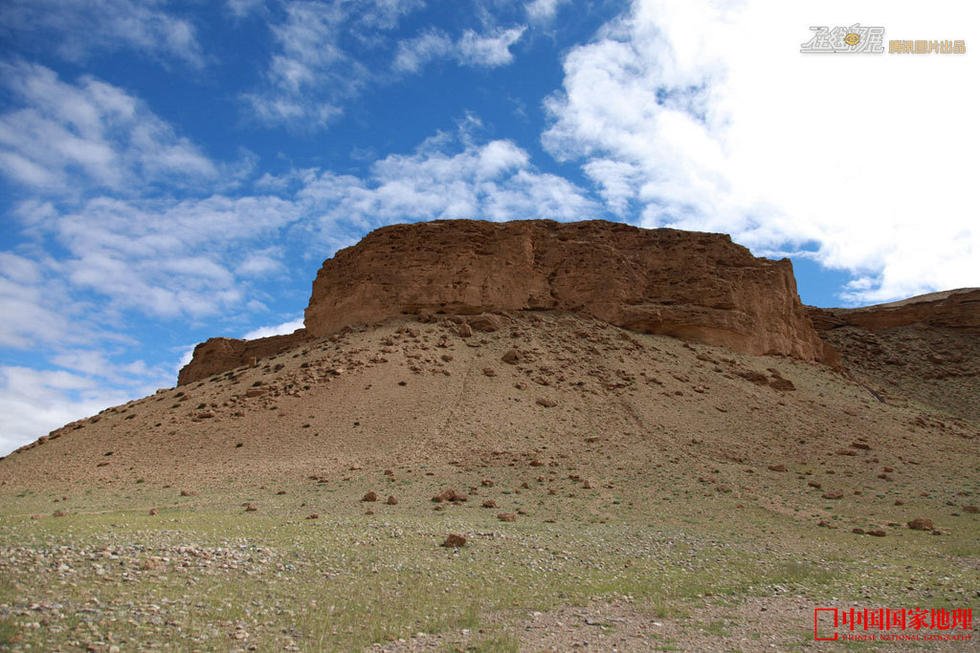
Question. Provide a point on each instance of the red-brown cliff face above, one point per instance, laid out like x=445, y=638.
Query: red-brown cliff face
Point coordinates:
x=697, y=286
x=953, y=309
x=217, y=355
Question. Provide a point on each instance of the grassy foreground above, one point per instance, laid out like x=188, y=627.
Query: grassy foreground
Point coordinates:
x=204, y=573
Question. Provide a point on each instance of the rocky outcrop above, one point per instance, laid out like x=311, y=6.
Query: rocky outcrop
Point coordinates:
x=922, y=349
x=954, y=309
x=698, y=286
x=217, y=355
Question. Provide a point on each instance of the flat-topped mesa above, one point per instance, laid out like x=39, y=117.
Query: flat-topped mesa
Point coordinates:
x=697, y=286
x=951, y=309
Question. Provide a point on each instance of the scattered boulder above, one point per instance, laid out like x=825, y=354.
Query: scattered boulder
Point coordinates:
x=920, y=524
x=757, y=378
x=464, y=330
x=511, y=357
x=506, y=516
x=781, y=384
x=188, y=493
x=153, y=564
x=971, y=509
x=392, y=501
x=154, y=511
x=313, y=516
x=547, y=403
x=485, y=322
x=777, y=468
x=489, y=371
x=250, y=507
x=878, y=532
x=489, y=503
x=370, y=496
x=449, y=495
x=833, y=494
x=454, y=541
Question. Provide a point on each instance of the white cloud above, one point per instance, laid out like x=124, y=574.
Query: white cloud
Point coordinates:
x=261, y=264
x=242, y=8
x=61, y=136
x=313, y=71
x=471, y=49
x=543, y=11
x=35, y=310
x=75, y=28
x=489, y=50
x=414, y=53
x=707, y=116
x=277, y=330
x=169, y=258
x=490, y=181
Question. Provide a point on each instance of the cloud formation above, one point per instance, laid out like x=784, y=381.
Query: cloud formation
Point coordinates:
x=706, y=116
x=445, y=178
x=471, y=49
x=313, y=71
x=77, y=28
x=59, y=137
x=543, y=11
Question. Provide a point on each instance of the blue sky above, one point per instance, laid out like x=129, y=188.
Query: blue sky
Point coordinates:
x=172, y=171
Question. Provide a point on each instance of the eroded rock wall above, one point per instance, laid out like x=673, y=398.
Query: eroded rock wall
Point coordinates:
x=698, y=286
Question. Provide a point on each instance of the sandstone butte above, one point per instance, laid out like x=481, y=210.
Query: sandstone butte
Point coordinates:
x=697, y=286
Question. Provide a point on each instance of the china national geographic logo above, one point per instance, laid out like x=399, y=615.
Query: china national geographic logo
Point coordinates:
x=862, y=39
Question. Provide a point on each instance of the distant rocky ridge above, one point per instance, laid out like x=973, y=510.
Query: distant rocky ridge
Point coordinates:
x=217, y=355
x=955, y=309
x=697, y=286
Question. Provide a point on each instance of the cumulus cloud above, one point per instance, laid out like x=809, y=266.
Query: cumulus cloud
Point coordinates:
x=471, y=49
x=76, y=28
x=443, y=179
x=275, y=330
x=60, y=136
x=707, y=116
